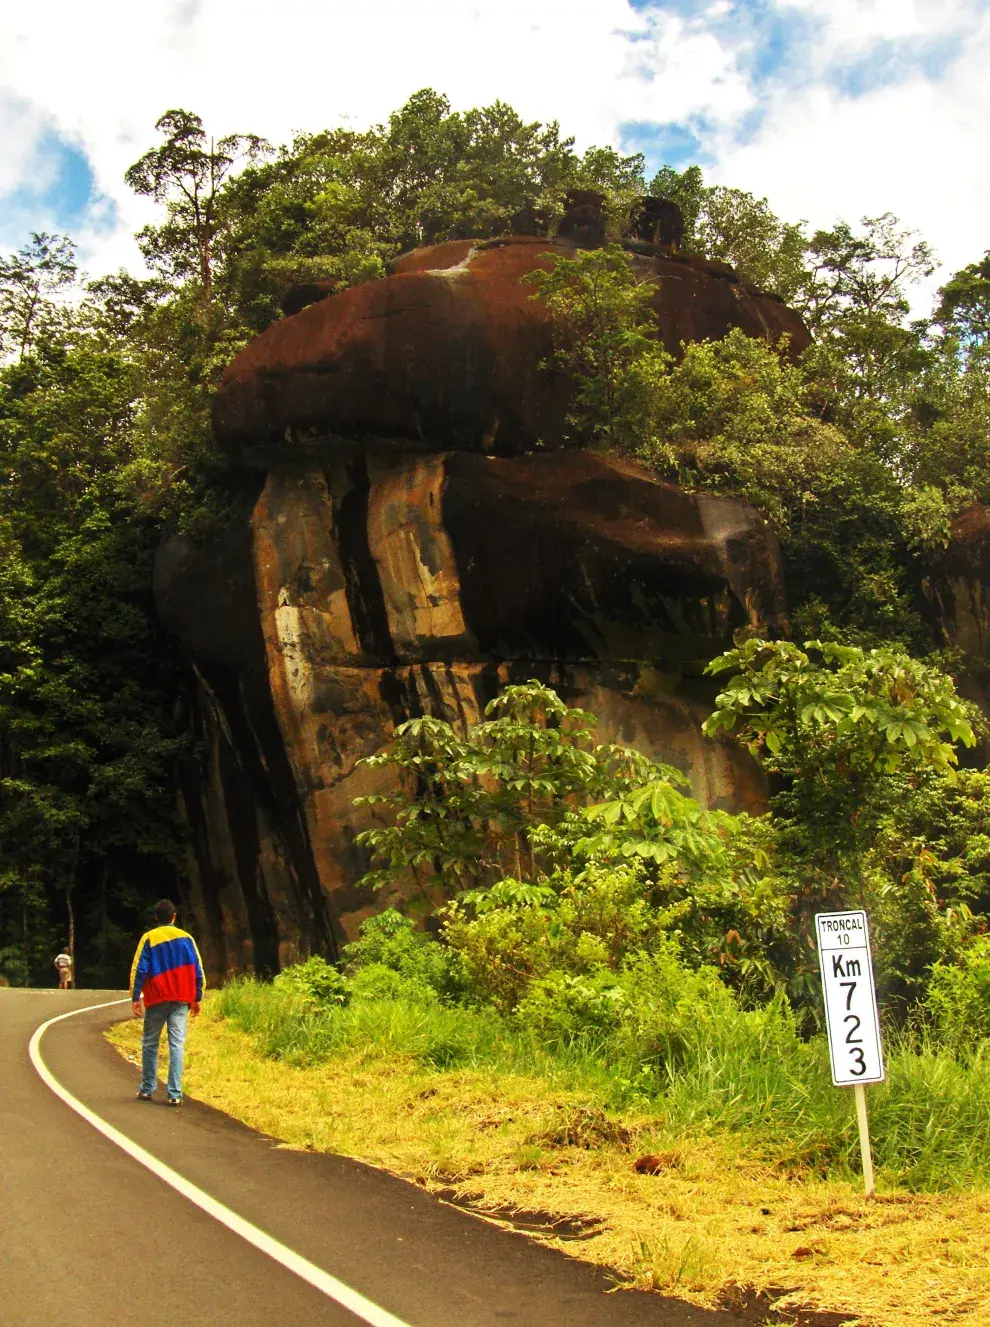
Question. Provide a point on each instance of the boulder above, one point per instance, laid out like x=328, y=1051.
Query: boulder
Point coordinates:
x=450, y=351
x=959, y=586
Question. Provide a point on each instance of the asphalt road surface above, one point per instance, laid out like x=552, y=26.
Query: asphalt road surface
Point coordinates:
x=90, y=1237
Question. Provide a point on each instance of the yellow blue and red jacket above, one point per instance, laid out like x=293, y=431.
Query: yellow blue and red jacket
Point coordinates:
x=167, y=966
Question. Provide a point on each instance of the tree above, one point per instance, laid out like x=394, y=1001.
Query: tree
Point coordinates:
x=86, y=736
x=30, y=282
x=606, y=342
x=867, y=358
x=841, y=726
x=687, y=189
x=335, y=206
x=865, y=274
x=466, y=810
x=186, y=174
x=733, y=416
x=733, y=226
x=963, y=309
x=742, y=230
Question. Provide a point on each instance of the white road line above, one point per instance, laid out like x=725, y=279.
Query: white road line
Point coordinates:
x=328, y=1285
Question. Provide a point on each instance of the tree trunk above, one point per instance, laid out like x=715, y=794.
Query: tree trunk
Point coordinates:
x=101, y=942
x=72, y=929
x=70, y=885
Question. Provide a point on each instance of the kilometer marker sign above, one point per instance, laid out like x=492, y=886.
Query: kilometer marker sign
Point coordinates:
x=851, y=1014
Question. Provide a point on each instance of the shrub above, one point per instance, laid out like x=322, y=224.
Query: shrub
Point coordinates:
x=465, y=810
x=575, y=923
x=561, y=1007
x=653, y=1013
x=391, y=941
x=378, y=982
x=959, y=998
x=316, y=981
x=602, y=914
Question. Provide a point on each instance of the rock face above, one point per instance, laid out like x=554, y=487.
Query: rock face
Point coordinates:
x=447, y=351
x=403, y=549
x=959, y=591
x=960, y=587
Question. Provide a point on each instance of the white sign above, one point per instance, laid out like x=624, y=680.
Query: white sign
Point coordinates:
x=850, y=1000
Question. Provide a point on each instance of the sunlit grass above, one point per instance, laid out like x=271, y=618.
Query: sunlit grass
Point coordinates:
x=930, y=1121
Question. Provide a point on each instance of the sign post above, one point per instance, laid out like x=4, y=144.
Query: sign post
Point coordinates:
x=851, y=1015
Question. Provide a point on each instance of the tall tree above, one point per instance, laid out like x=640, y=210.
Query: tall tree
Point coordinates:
x=186, y=173
x=31, y=282
x=963, y=309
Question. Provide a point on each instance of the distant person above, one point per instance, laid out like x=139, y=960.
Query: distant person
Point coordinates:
x=63, y=965
x=167, y=973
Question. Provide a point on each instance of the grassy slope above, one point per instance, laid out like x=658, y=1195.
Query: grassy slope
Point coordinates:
x=715, y=1217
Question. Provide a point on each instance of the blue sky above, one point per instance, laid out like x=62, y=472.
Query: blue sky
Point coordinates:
x=61, y=191
x=827, y=107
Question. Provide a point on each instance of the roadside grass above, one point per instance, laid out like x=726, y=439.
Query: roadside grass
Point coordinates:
x=755, y=1185
x=930, y=1121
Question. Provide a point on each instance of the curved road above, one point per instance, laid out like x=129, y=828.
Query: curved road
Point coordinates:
x=91, y=1237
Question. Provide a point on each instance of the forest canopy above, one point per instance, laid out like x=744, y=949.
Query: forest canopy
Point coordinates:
x=859, y=453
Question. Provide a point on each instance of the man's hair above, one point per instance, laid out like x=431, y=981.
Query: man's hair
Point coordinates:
x=164, y=911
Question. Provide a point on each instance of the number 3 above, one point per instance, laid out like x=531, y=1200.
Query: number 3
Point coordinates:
x=859, y=1067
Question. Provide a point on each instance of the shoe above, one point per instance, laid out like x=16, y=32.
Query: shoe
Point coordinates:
x=175, y=1101
x=145, y=1096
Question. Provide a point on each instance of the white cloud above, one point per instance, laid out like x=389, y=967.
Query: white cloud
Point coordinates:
x=308, y=64
x=852, y=26
x=914, y=148
x=23, y=129
x=102, y=77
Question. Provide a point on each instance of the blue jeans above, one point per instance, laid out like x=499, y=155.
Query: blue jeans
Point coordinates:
x=174, y=1013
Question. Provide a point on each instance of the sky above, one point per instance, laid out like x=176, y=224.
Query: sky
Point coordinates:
x=829, y=108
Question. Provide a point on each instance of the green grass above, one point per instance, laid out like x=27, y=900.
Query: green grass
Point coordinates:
x=754, y=1078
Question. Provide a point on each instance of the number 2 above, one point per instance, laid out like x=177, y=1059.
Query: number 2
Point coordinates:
x=850, y=1039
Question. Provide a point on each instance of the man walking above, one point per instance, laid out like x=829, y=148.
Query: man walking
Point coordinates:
x=63, y=965
x=167, y=973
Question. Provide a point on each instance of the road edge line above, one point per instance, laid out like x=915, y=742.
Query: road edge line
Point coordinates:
x=329, y=1285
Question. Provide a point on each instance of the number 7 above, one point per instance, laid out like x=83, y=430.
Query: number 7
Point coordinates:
x=851, y=986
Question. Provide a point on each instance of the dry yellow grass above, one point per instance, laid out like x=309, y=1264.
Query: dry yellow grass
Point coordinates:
x=712, y=1219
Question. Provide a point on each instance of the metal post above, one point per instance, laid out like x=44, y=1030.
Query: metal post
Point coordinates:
x=864, y=1137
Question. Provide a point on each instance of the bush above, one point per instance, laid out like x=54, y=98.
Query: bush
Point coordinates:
x=522, y=932
x=391, y=941
x=316, y=980
x=959, y=998
x=653, y=1013
x=378, y=982
x=387, y=1015
x=672, y=1042
x=562, y=1007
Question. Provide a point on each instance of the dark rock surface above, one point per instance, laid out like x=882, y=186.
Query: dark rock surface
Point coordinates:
x=447, y=351
x=958, y=589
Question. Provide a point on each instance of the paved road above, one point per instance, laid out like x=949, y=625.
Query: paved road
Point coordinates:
x=90, y=1237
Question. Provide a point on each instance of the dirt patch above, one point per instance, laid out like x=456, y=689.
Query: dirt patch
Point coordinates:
x=534, y=1221
x=760, y=1306
x=655, y=1163
x=586, y=1127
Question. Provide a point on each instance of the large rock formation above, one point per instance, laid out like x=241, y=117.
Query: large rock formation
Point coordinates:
x=450, y=350
x=414, y=539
